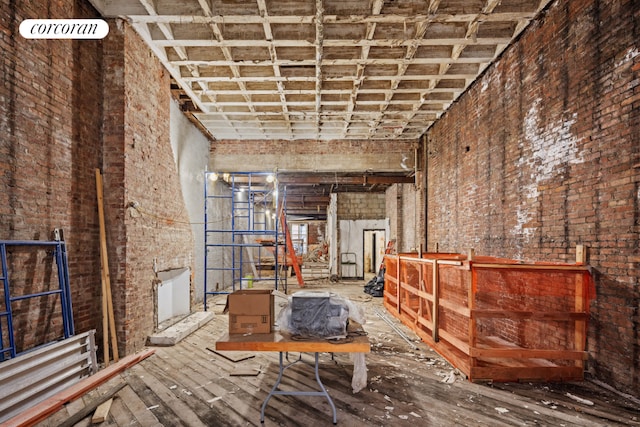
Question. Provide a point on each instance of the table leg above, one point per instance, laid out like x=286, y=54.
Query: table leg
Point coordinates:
x=325, y=393
x=274, y=390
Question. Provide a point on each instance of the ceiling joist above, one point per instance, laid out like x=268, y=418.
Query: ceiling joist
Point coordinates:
x=324, y=70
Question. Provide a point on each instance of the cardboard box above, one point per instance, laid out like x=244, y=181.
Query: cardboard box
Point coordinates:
x=250, y=311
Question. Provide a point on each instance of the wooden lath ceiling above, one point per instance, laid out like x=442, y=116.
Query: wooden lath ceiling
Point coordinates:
x=324, y=69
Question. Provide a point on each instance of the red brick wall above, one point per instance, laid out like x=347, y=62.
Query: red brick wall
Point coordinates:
x=140, y=169
x=50, y=143
x=67, y=108
x=317, y=232
x=544, y=152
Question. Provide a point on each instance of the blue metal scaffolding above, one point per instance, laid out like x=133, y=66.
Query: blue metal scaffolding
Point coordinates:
x=7, y=334
x=241, y=231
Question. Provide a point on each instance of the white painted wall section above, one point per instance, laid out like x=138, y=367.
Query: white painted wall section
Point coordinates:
x=173, y=293
x=352, y=242
x=191, y=154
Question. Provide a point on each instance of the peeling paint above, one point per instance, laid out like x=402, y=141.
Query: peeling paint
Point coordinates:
x=485, y=86
x=631, y=53
x=553, y=147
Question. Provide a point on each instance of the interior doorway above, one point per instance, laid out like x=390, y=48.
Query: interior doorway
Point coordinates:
x=373, y=251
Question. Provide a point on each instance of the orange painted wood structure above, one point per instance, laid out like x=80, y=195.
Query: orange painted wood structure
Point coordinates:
x=290, y=249
x=495, y=319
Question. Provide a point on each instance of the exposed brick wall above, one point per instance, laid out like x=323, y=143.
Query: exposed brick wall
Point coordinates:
x=361, y=206
x=54, y=96
x=317, y=232
x=50, y=144
x=543, y=153
x=139, y=168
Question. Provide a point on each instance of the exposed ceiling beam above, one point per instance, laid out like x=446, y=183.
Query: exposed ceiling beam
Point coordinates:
x=379, y=70
x=374, y=18
x=315, y=179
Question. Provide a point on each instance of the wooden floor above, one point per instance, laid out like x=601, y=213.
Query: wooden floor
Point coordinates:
x=408, y=385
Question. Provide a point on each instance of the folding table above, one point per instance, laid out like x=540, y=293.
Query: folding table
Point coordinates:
x=284, y=343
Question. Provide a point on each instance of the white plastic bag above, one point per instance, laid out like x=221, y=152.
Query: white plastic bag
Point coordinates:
x=283, y=320
x=356, y=311
x=359, y=379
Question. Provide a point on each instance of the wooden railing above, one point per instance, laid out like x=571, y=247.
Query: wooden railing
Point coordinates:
x=495, y=319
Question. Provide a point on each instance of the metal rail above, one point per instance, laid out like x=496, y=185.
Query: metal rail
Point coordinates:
x=395, y=328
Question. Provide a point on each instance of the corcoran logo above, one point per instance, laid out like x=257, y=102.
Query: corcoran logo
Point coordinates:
x=64, y=29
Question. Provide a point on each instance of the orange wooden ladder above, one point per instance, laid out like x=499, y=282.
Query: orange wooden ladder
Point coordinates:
x=290, y=249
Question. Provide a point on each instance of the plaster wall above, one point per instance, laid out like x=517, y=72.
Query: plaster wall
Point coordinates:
x=191, y=154
x=311, y=155
x=332, y=234
x=352, y=242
